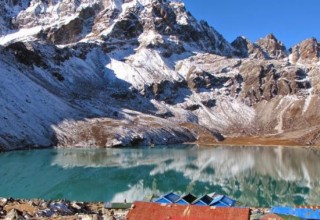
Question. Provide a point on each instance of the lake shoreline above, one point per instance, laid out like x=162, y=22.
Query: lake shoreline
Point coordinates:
x=70, y=210
x=251, y=141
x=241, y=141
x=57, y=209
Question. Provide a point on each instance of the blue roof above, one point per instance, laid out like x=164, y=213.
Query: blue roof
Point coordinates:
x=172, y=197
x=186, y=199
x=228, y=201
x=163, y=200
x=168, y=198
x=217, y=200
x=182, y=202
x=200, y=202
x=204, y=200
x=207, y=199
x=222, y=200
x=304, y=213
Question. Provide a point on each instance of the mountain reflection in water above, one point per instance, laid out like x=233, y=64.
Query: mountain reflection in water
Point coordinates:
x=256, y=176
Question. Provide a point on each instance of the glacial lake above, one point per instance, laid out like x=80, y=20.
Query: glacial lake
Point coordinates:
x=255, y=176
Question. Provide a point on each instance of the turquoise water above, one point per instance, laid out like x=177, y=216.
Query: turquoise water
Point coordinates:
x=255, y=176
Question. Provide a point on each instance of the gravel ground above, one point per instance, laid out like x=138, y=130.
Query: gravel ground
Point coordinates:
x=59, y=209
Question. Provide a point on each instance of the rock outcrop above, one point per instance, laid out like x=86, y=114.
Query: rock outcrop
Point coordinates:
x=245, y=48
x=145, y=72
x=268, y=47
x=271, y=46
x=308, y=51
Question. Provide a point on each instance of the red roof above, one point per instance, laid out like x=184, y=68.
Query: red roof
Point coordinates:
x=156, y=211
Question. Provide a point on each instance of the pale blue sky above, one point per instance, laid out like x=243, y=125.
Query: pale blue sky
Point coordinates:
x=291, y=21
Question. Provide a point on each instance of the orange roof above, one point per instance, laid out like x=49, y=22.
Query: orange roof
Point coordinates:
x=156, y=211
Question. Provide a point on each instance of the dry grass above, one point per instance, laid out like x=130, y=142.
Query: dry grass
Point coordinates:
x=260, y=141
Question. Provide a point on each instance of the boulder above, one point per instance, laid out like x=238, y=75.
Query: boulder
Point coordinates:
x=14, y=215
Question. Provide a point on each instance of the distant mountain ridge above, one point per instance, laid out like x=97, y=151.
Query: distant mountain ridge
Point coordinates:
x=142, y=72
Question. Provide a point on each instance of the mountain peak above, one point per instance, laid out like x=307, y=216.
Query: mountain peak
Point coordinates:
x=268, y=47
x=245, y=48
x=273, y=48
x=271, y=37
x=306, y=51
x=65, y=22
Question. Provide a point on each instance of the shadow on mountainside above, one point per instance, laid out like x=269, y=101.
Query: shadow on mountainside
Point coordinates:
x=44, y=88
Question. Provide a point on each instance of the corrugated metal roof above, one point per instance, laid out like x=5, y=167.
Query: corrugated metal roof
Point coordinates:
x=156, y=211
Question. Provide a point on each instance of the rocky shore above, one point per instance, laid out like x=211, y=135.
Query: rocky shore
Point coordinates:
x=38, y=209
x=20, y=209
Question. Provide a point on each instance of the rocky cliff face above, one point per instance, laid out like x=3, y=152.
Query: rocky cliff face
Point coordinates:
x=139, y=72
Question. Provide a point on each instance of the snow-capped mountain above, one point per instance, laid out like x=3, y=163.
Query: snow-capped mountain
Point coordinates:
x=140, y=72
